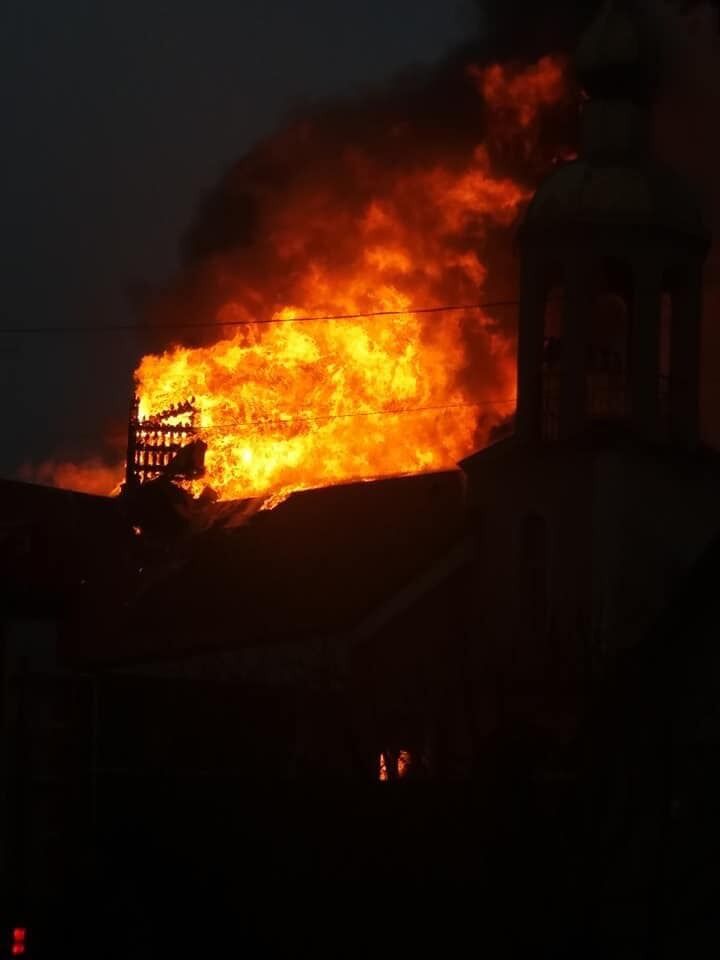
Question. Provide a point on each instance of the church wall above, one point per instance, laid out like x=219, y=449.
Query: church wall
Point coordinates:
x=651, y=521
x=534, y=673
x=413, y=683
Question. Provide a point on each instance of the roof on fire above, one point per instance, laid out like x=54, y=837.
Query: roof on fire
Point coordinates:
x=319, y=564
x=51, y=542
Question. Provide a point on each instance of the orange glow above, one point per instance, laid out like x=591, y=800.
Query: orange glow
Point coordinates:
x=522, y=92
x=88, y=476
x=291, y=406
x=383, y=773
x=403, y=764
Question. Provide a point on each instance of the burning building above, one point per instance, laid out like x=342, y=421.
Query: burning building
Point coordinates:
x=509, y=623
x=365, y=328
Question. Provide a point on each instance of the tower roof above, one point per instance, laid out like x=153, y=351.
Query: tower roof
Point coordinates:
x=582, y=194
x=617, y=181
x=615, y=58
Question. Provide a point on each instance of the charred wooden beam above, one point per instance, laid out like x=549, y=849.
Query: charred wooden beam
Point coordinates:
x=158, y=447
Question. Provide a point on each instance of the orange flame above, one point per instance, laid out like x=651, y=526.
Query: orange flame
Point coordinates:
x=383, y=775
x=403, y=763
x=87, y=476
x=524, y=92
x=292, y=405
x=295, y=405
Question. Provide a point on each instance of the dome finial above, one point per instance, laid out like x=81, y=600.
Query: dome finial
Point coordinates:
x=614, y=60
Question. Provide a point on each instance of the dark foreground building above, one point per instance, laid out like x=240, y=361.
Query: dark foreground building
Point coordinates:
x=472, y=708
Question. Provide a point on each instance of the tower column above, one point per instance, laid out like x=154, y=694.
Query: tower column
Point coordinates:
x=531, y=321
x=619, y=227
x=685, y=357
x=643, y=378
x=573, y=387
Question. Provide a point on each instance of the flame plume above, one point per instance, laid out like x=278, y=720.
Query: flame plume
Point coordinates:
x=288, y=406
x=397, y=203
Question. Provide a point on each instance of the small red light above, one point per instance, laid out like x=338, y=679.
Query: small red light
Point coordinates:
x=19, y=936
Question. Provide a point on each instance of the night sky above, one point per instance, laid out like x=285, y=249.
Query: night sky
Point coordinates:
x=117, y=117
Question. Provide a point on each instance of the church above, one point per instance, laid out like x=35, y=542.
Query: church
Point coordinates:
x=593, y=512
x=531, y=633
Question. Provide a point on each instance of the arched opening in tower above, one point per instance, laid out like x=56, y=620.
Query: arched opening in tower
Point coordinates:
x=608, y=343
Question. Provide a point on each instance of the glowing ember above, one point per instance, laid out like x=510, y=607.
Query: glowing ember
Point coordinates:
x=403, y=764
x=383, y=772
x=401, y=767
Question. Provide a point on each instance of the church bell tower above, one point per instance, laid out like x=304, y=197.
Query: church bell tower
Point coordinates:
x=588, y=516
x=612, y=251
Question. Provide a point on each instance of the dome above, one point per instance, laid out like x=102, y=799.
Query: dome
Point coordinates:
x=583, y=194
x=617, y=182
x=616, y=56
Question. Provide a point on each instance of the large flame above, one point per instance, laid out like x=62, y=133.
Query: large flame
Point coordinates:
x=344, y=228
x=291, y=405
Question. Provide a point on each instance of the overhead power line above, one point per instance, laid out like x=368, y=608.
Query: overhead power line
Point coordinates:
x=361, y=413
x=214, y=324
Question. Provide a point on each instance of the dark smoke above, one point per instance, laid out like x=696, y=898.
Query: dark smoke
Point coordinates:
x=425, y=116
x=428, y=116
x=435, y=110
x=526, y=30
x=422, y=115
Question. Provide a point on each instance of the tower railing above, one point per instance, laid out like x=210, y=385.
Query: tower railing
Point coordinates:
x=664, y=404
x=606, y=384
x=163, y=444
x=551, y=389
